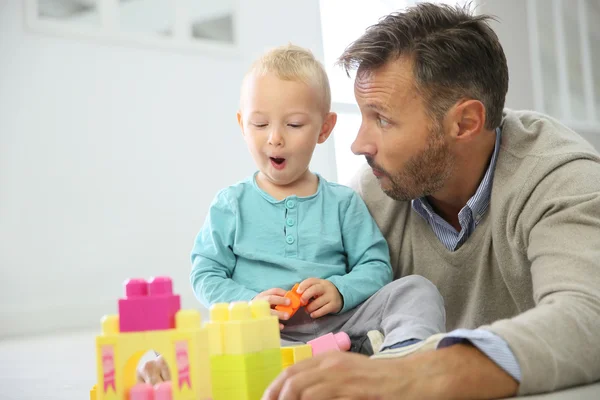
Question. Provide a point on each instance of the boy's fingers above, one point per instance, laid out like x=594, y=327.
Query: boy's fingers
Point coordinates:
x=313, y=291
x=326, y=309
x=165, y=374
x=276, y=300
x=316, y=304
x=280, y=315
x=277, y=292
x=305, y=284
x=151, y=373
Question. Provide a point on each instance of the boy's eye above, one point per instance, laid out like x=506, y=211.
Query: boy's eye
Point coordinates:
x=259, y=125
x=295, y=125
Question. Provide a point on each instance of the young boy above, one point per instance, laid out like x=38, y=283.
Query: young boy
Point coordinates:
x=285, y=224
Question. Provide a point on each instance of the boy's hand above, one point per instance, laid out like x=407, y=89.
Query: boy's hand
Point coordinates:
x=154, y=371
x=327, y=298
x=275, y=297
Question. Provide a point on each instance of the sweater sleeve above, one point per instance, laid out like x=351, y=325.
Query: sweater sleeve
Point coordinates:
x=213, y=260
x=367, y=256
x=557, y=343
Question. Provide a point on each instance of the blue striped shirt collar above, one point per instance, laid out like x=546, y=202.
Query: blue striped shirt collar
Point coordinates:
x=471, y=213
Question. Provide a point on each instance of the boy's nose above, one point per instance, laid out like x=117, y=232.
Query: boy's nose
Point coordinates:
x=275, y=138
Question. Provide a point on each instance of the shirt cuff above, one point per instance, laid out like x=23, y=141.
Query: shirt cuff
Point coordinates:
x=493, y=346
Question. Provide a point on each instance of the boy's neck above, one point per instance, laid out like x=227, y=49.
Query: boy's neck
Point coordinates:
x=306, y=185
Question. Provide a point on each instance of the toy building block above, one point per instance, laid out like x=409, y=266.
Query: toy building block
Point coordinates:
x=271, y=340
x=294, y=354
x=243, y=358
x=145, y=391
x=148, y=305
x=163, y=391
x=142, y=391
x=184, y=349
x=338, y=342
x=295, y=301
x=93, y=393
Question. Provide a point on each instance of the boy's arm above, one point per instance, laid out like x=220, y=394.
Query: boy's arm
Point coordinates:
x=213, y=259
x=368, y=257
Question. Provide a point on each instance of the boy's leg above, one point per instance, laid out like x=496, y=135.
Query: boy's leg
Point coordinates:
x=302, y=327
x=408, y=308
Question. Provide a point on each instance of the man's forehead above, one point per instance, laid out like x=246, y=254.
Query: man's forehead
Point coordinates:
x=394, y=78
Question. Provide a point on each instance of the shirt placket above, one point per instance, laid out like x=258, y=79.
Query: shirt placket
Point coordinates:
x=291, y=227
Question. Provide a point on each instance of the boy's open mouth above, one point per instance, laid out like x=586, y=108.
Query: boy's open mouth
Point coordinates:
x=277, y=162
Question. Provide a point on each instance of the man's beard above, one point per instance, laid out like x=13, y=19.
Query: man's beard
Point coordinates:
x=423, y=174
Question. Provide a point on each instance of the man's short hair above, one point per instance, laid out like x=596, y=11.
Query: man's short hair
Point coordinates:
x=455, y=55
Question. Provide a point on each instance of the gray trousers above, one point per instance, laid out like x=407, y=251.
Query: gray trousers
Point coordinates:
x=407, y=308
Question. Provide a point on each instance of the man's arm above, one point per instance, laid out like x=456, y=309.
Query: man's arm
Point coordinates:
x=460, y=371
x=557, y=343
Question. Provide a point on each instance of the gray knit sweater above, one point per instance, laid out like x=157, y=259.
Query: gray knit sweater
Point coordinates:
x=530, y=272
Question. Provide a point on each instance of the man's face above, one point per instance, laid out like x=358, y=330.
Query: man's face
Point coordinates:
x=408, y=152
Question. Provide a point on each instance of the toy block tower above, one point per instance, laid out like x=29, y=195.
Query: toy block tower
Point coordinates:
x=244, y=350
x=161, y=326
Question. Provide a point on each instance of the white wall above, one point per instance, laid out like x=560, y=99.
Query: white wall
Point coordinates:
x=110, y=156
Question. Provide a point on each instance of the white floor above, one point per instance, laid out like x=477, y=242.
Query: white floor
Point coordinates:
x=49, y=367
x=62, y=367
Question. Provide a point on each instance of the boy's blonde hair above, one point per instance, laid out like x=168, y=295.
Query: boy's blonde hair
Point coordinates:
x=294, y=63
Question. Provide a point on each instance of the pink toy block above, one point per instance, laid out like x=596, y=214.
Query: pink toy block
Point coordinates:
x=141, y=391
x=338, y=342
x=148, y=305
x=162, y=391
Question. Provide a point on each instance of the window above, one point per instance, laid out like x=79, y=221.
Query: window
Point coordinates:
x=565, y=50
x=342, y=22
x=168, y=24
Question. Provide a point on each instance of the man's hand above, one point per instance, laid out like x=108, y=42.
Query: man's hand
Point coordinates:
x=275, y=297
x=460, y=371
x=154, y=371
x=322, y=297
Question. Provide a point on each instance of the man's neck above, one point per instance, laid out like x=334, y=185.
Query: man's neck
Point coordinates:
x=466, y=178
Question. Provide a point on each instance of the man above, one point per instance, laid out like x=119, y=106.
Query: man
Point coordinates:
x=499, y=209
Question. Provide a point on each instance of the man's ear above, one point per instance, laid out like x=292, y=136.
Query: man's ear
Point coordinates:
x=240, y=121
x=469, y=119
x=327, y=127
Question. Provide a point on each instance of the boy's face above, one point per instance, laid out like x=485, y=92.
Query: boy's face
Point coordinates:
x=282, y=121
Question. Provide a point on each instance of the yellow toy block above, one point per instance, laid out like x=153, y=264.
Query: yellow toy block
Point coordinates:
x=241, y=333
x=293, y=354
x=184, y=349
x=239, y=374
x=93, y=393
x=219, y=314
x=268, y=324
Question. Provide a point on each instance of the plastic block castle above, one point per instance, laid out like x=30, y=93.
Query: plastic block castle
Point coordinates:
x=234, y=356
x=150, y=319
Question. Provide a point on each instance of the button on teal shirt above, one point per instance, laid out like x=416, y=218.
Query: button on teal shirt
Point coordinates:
x=251, y=242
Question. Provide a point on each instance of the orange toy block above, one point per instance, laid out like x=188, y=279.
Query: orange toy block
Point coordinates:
x=295, y=301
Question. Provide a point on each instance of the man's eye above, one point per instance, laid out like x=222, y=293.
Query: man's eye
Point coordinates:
x=383, y=122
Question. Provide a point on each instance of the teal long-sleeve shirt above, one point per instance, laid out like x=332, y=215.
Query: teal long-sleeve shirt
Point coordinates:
x=251, y=242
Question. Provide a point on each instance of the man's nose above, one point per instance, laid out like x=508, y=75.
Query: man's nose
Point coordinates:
x=364, y=144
